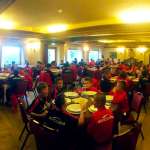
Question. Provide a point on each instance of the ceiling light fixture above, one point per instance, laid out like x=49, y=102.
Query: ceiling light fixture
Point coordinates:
x=138, y=15
x=5, y=24
x=86, y=47
x=57, y=28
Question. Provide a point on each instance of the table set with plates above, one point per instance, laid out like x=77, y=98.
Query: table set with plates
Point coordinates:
x=55, y=71
x=133, y=79
x=74, y=101
x=4, y=76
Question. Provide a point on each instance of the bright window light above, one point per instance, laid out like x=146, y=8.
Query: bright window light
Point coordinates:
x=57, y=28
x=51, y=55
x=72, y=54
x=135, y=16
x=121, y=49
x=94, y=55
x=9, y=54
x=142, y=49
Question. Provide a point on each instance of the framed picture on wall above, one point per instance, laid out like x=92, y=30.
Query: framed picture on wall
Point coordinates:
x=113, y=55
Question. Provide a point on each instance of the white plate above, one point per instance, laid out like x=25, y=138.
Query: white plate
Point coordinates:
x=74, y=108
x=92, y=108
x=67, y=100
x=89, y=93
x=71, y=94
x=109, y=97
x=80, y=100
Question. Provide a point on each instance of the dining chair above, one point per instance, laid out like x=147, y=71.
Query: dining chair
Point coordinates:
x=146, y=93
x=136, y=106
x=19, y=91
x=46, y=137
x=33, y=89
x=25, y=118
x=128, y=139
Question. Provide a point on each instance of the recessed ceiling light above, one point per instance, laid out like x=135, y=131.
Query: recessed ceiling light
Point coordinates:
x=138, y=15
x=57, y=28
x=115, y=41
x=6, y=24
x=60, y=11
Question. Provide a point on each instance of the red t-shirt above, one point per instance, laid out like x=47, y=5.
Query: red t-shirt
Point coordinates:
x=120, y=98
x=101, y=125
x=28, y=78
x=45, y=77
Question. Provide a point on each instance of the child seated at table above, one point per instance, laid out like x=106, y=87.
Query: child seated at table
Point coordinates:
x=58, y=89
x=120, y=97
x=41, y=104
x=105, y=84
x=88, y=85
x=66, y=124
x=100, y=125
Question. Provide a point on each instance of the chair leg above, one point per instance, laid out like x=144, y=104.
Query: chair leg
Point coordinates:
x=142, y=135
x=20, y=136
x=27, y=100
x=34, y=93
x=24, y=142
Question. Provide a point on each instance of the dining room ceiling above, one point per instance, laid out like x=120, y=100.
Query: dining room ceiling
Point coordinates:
x=97, y=19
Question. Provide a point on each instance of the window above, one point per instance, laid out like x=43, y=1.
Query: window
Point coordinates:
x=51, y=55
x=9, y=54
x=93, y=55
x=72, y=54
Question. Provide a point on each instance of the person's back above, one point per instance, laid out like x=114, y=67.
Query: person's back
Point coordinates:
x=65, y=123
x=100, y=126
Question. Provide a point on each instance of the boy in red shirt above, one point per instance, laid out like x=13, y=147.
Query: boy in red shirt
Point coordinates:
x=120, y=97
x=100, y=125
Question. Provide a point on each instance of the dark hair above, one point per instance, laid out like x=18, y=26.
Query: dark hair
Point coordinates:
x=41, y=86
x=100, y=99
x=58, y=79
x=123, y=84
x=16, y=72
x=60, y=101
x=123, y=75
x=88, y=79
